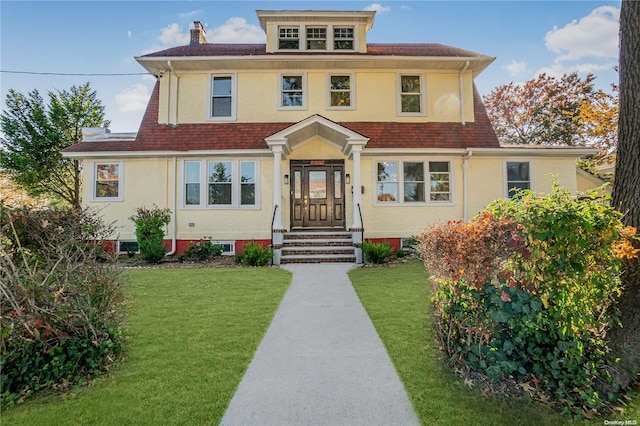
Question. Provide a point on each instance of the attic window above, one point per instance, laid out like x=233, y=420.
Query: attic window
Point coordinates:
x=342, y=38
x=316, y=38
x=289, y=38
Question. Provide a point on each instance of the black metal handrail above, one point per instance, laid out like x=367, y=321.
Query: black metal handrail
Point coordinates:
x=273, y=219
x=361, y=224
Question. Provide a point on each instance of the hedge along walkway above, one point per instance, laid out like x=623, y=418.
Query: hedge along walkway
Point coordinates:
x=191, y=336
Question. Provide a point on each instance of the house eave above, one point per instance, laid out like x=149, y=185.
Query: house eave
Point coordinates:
x=141, y=154
x=531, y=151
x=159, y=65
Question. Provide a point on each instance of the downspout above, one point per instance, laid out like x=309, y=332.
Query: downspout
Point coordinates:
x=173, y=87
x=465, y=202
x=173, y=202
x=462, y=117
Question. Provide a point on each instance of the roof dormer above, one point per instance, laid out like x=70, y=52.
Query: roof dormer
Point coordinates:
x=315, y=31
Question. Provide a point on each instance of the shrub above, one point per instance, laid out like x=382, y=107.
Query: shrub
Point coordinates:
x=201, y=251
x=400, y=253
x=150, y=225
x=255, y=255
x=526, y=289
x=61, y=300
x=376, y=252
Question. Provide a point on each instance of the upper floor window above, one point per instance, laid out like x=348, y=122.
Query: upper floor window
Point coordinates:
x=289, y=38
x=316, y=38
x=341, y=91
x=411, y=95
x=223, y=97
x=292, y=91
x=107, y=182
x=342, y=38
x=518, y=177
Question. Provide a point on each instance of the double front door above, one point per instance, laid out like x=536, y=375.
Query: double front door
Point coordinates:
x=317, y=194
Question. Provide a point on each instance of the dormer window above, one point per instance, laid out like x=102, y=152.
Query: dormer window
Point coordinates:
x=289, y=38
x=342, y=38
x=316, y=38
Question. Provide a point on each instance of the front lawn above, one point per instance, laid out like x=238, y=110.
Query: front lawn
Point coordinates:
x=397, y=300
x=191, y=335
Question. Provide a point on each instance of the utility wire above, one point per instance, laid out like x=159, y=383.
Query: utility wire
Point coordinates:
x=73, y=74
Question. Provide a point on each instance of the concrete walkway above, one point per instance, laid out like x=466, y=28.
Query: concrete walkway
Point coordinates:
x=321, y=361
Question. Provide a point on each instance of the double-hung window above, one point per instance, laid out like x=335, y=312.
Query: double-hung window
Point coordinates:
x=292, y=91
x=223, y=94
x=342, y=38
x=411, y=97
x=316, y=38
x=341, y=91
x=220, y=184
x=518, y=177
x=107, y=182
x=408, y=182
x=288, y=38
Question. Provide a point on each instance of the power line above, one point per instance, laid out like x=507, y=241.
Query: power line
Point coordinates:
x=74, y=74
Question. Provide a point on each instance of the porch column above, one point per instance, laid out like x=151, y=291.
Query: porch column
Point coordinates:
x=277, y=229
x=357, y=225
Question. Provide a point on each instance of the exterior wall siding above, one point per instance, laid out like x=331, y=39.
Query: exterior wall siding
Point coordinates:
x=375, y=97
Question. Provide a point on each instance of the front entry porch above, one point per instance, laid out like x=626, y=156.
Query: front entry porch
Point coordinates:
x=316, y=187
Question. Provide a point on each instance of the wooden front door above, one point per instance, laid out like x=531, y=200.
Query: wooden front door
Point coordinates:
x=317, y=194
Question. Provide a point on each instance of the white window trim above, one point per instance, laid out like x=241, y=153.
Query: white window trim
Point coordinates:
x=302, y=37
x=230, y=242
x=505, y=180
x=423, y=95
x=94, y=176
x=400, y=201
x=303, y=107
x=352, y=78
x=234, y=96
x=127, y=241
x=204, y=185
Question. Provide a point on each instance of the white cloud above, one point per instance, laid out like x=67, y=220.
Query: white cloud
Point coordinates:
x=405, y=7
x=190, y=14
x=170, y=36
x=133, y=98
x=595, y=35
x=515, y=68
x=377, y=7
x=236, y=30
x=129, y=33
x=558, y=69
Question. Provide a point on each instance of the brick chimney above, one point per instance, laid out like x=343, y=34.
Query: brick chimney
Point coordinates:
x=197, y=33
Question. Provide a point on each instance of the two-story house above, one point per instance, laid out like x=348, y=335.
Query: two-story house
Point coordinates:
x=314, y=136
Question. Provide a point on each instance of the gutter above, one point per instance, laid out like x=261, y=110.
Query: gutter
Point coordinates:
x=465, y=202
x=174, y=201
x=173, y=82
x=462, y=117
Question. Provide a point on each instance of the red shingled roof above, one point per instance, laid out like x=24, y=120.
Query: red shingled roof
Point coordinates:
x=373, y=49
x=224, y=136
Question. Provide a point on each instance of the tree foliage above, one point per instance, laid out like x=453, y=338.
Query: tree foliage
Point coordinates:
x=35, y=132
x=626, y=191
x=555, y=111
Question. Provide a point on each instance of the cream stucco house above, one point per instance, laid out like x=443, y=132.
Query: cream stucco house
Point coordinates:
x=311, y=142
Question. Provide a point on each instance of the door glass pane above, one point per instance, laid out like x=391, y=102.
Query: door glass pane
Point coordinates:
x=337, y=184
x=297, y=185
x=318, y=184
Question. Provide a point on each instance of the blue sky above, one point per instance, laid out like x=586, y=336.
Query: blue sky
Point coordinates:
x=527, y=37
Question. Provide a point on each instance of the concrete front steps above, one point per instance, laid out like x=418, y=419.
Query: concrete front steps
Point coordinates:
x=317, y=246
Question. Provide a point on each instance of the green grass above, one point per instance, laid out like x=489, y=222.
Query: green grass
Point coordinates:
x=397, y=300
x=191, y=336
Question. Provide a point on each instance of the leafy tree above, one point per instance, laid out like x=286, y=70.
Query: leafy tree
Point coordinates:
x=551, y=111
x=626, y=191
x=35, y=132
